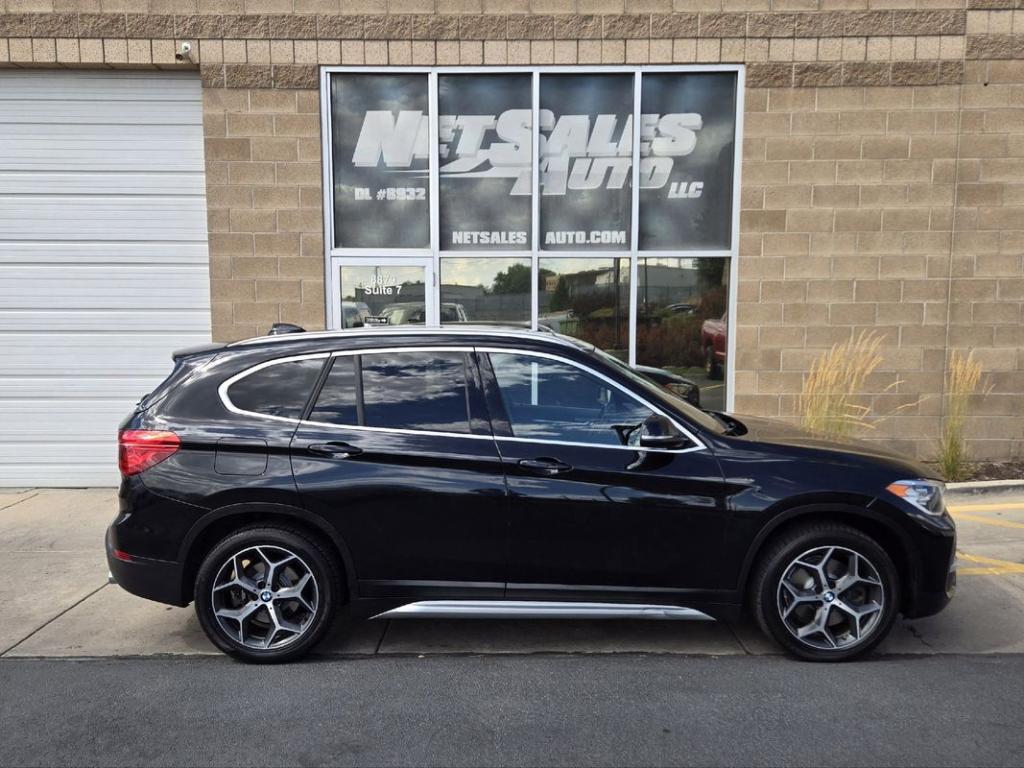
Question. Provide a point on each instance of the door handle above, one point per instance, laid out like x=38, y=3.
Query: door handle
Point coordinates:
x=545, y=466
x=334, y=450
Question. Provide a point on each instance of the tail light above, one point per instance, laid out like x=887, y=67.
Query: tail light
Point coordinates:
x=140, y=449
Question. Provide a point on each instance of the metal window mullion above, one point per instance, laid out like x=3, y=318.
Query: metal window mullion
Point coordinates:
x=332, y=320
x=734, y=246
x=434, y=289
x=634, y=220
x=535, y=202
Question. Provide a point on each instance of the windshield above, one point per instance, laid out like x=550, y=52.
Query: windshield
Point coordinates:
x=696, y=415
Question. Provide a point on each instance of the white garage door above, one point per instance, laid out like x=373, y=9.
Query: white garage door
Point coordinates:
x=103, y=260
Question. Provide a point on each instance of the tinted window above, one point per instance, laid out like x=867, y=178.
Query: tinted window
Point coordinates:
x=550, y=400
x=416, y=390
x=277, y=390
x=337, y=401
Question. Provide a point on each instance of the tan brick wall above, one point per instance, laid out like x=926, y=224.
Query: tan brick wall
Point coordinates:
x=265, y=209
x=847, y=225
x=883, y=171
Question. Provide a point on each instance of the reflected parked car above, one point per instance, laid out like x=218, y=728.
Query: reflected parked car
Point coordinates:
x=415, y=313
x=714, y=337
x=673, y=382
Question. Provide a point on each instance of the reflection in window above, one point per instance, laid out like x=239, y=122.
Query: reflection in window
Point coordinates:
x=277, y=390
x=382, y=296
x=380, y=125
x=550, y=400
x=484, y=148
x=687, y=138
x=681, y=321
x=411, y=390
x=588, y=299
x=485, y=290
x=337, y=402
x=586, y=151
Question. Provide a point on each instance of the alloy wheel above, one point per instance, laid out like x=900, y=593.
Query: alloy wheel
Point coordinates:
x=265, y=597
x=831, y=598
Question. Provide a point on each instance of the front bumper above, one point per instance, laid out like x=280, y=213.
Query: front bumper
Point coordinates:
x=158, y=580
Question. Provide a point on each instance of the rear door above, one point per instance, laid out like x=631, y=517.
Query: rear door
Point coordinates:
x=397, y=453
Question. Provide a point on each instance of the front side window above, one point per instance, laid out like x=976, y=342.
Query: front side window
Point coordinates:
x=280, y=389
x=552, y=400
x=397, y=390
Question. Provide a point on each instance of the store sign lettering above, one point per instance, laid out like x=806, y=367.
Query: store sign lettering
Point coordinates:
x=577, y=152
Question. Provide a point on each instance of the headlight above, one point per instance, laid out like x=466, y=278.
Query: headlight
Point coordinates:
x=926, y=495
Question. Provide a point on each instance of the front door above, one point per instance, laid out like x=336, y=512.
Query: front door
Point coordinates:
x=590, y=511
x=397, y=454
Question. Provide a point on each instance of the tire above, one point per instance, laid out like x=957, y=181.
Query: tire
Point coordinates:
x=253, y=620
x=711, y=366
x=825, y=616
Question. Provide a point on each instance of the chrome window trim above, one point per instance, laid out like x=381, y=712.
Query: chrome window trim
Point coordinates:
x=222, y=391
x=698, y=445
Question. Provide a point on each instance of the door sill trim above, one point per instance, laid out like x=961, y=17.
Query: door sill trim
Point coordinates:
x=538, y=609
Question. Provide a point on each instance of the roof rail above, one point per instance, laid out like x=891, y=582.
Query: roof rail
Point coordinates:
x=405, y=330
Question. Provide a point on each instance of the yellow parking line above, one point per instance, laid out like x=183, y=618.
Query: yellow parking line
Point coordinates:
x=988, y=520
x=986, y=507
x=988, y=566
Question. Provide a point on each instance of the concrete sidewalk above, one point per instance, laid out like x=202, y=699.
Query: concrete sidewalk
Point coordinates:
x=68, y=610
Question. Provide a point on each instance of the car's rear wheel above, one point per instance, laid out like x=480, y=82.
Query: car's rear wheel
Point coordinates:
x=826, y=592
x=267, y=594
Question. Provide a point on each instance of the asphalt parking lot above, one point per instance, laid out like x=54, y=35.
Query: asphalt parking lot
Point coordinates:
x=91, y=675
x=67, y=609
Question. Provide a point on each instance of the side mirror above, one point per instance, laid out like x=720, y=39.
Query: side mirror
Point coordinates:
x=658, y=432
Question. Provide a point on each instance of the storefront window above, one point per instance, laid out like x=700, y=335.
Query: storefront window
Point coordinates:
x=484, y=150
x=687, y=137
x=485, y=290
x=600, y=204
x=376, y=295
x=588, y=299
x=682, y=328
x=586, y=150
x=381, y=167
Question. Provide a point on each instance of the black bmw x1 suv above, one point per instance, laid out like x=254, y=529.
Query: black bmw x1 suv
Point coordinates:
x=488, y=472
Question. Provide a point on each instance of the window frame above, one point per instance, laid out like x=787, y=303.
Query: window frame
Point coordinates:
x=482, y=380
x=488, y=372
x=632, y=252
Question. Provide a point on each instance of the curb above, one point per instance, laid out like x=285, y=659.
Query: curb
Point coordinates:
x=986, y=487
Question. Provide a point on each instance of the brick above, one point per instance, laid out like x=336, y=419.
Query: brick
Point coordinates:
x=246, y=27
x=672, y=25
x=771, y=24
x=541, y=27
x=929, y=22
x=339, y=26
x=885, y=147
x=857, y=220
x=763, y=221
x=102, y=25
x=248, y=76
x=817, y=74
x=722, y=25
x=387, y=27
x=868, y=23
x=483, y=27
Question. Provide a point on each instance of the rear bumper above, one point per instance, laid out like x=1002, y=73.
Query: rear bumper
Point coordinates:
x=158, y=580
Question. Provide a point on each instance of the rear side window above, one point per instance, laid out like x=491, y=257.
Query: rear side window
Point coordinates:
x=281, y=389
x=397, y=390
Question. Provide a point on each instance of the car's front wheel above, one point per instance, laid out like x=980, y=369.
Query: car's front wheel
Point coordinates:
x=267, y=594
x=826, y=592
